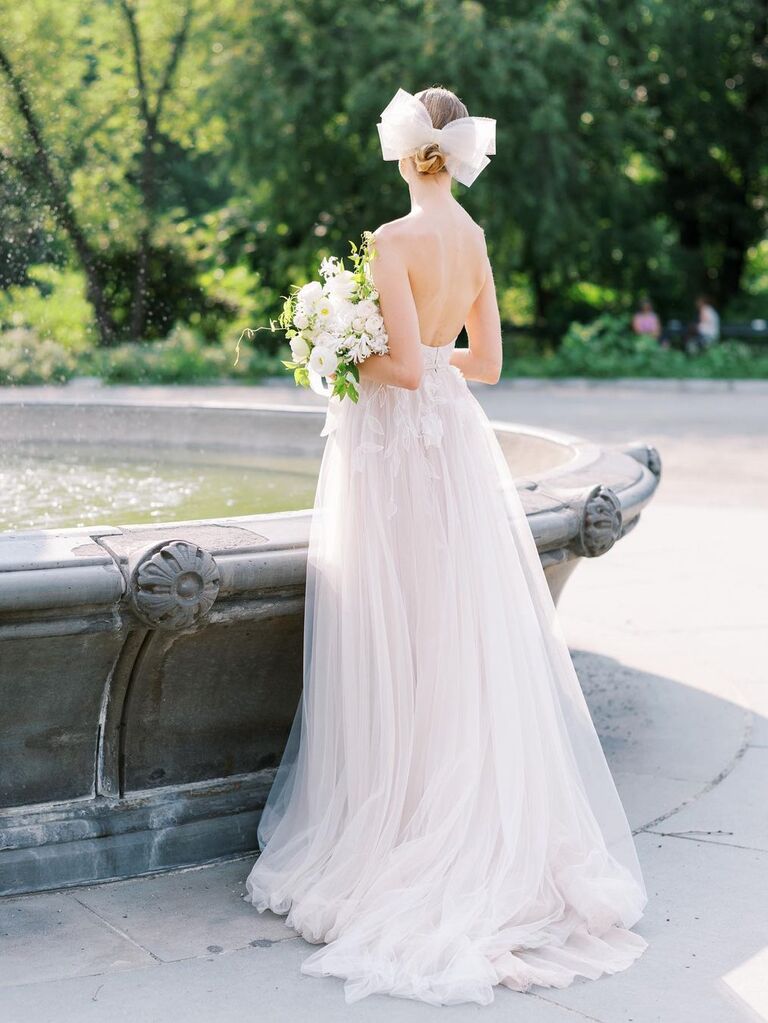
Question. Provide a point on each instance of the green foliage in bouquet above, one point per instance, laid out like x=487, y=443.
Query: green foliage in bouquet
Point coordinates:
x=332, y=326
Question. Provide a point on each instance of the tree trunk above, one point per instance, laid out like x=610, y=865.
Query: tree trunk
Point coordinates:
x=57, y=199
x=542, y=297
x=150, y=114
x=147, y=185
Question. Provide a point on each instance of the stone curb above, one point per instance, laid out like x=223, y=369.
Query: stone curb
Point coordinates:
x=669, y=385
x=701, y=386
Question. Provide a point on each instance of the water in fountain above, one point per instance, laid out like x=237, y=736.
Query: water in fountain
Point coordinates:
x=54, y=486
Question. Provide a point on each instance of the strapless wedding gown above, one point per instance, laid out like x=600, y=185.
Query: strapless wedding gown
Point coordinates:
x=443, y=819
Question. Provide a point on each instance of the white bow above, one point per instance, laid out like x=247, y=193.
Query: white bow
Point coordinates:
x=465, y=143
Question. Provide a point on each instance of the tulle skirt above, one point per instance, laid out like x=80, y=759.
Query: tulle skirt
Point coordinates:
x=443, y=819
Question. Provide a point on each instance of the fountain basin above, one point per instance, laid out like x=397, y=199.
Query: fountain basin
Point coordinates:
x=149, y=673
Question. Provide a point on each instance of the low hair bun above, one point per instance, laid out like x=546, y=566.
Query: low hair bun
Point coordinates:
x=429, y=159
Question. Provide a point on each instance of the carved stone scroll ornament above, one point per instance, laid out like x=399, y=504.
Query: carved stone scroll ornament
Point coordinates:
x=645, y=454
x=601, y=523
x=174, y=584
x=654, y=460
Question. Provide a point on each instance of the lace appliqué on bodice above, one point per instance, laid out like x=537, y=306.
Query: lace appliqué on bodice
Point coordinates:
x=390, y=421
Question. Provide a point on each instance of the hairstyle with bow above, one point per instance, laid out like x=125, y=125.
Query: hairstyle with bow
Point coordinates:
x=465, y=143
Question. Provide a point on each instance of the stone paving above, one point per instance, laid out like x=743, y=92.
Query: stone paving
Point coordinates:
x=669, y=635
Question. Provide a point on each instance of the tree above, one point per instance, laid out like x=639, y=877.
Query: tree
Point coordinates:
x=75, y=82
x=48, y=178
x=697, y=71
x=173, y=145
x=308, y=78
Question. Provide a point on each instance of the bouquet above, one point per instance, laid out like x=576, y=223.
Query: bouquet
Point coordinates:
x=333, y=325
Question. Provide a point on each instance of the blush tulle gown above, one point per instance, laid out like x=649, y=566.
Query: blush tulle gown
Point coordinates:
x=443, y=819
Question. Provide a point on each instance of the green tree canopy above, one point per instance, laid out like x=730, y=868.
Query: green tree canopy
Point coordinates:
x=194, y=162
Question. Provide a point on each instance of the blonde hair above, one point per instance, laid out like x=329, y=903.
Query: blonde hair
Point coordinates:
x=443, y=106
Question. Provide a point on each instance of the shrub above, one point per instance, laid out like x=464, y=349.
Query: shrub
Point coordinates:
x=730, y=360
x=608, y=348
x=52, y=306
x=182, y=357
x=26, y=358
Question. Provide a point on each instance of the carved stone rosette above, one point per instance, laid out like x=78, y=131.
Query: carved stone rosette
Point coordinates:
x=174, y=585
x=601, y=523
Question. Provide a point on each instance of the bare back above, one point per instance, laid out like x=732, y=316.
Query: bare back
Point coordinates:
x=447, y=266
x=433, y=276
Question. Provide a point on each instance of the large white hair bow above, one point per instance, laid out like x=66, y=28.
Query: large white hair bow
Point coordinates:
x=465, y=143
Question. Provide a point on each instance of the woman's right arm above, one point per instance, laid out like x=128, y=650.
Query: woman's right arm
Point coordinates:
x=403, y=365
x=482, y=360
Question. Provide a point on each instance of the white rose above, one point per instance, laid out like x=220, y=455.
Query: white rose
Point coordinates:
x=323, y=361
x=343, y=310
x=300, y=319
x=366, y=308
x=325, y=340
x=299, y=349
x=358, y=324
x=310, y=295
x=374, y=324
x=342, y=285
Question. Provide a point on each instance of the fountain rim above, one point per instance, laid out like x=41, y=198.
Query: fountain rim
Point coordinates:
x=566, y=505
x=583, y=452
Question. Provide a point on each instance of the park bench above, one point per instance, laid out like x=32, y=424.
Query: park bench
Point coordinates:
x=754, y=332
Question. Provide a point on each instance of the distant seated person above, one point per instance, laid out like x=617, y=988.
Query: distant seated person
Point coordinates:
x=706, y=330
x=645, y=320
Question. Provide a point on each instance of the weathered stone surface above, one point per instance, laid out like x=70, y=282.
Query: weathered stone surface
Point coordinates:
x=697, y=941
x=214, y=703
x=207, y=907
x=51, y=689
x=55, y=936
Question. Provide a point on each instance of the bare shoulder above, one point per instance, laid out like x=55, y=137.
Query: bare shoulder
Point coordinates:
x=390, y=237
x=417, y=241
x=392, y=246
x=476, y=250
x=480, y=245
x=477, y=234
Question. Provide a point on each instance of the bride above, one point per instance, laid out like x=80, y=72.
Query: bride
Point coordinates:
x=443, y=818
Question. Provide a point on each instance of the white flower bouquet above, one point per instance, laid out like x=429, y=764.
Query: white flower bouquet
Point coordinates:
x=333, y=325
